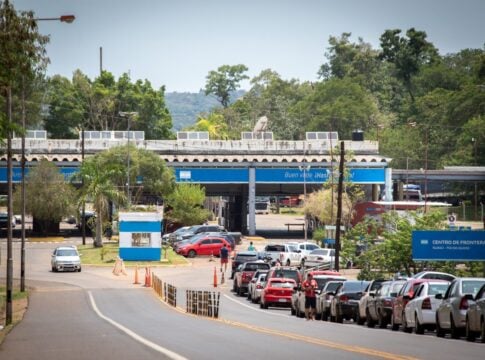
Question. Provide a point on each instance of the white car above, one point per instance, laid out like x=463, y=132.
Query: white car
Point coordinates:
x=256, y=285
x=320, y=258
x=369, y=291
x=434, y=275
x=451, y=313
x=298, y=297
x=475, y=317
x=325, y=298
x=306, y=248
x=65, y=258
x=421, y=310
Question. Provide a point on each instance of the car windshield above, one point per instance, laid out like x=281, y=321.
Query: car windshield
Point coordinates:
x=375, y=285
x=471, y=286
x=182, y=229
x=312, y=247
x=66, y=252
x=332, y=286
x=434, y=289
x=275, y=248
x=254, y=267
x=262, y=277
x=289, y=274
x=385, y=289
x=293, y=248
x=282, y=284
x=397, y=286
x=354, y=286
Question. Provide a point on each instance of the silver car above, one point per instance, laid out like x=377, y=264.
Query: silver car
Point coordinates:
x=325, y=298
x=256, y=285
x=451, y=313
x=475, y=317
x=65, y=258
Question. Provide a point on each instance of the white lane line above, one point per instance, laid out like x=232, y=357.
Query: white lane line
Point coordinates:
x=252, y=308
x=170, y=354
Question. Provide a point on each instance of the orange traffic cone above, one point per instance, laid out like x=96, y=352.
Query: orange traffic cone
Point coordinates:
x=215, y=277
x=136, y=276
x=148, y=277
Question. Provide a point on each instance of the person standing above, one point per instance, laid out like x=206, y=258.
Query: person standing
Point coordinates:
x=224, y=255
x=251, y=247
x=309, y=286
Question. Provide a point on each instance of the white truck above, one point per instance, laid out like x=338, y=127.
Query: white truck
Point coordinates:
x=287, y=254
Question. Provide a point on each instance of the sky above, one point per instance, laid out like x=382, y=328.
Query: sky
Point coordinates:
x=175, y=43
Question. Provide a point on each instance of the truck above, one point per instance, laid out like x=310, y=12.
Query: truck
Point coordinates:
x=286, y=254
x=244, y=275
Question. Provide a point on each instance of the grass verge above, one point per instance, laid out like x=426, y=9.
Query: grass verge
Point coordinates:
x=19, y=306
x=108, y=254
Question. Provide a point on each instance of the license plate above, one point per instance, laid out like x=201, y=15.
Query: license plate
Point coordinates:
x=282, y=300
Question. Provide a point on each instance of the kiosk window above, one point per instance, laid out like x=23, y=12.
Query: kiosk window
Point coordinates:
x=141, y=239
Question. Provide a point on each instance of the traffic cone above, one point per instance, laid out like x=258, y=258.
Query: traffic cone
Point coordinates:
x=136, y=276
x=215, y=277
x=148, y=280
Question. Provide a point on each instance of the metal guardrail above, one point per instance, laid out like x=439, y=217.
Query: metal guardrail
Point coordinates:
x=203, y=303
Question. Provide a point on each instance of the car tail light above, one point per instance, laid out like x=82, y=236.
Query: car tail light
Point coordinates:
x=246, y=276
x=426, y=305
x=464, y=303
x=344, y=298
x=258, y=286
x=387, y=303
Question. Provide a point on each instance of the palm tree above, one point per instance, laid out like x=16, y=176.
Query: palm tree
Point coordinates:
x=99, y=188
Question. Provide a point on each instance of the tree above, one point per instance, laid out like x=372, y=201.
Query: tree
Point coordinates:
x=99, y=188
x=95, y=105
x=186, y=204
x=48, y=196
x=224, y=81
x=214, y=124
x=407, y=54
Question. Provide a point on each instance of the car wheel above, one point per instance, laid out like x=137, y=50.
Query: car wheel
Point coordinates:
x=394, y=326
x=240, y=291
x=405, y=326
x=370, y=321
x=249, y=295
x=332, y=318
x=455, y=332
x=360, y=320
x=325, y=316
x=293, y=312
x=381, y=321
x=54, y=269
x=318, y=316
x=482, y=332
x=261, y=305
x=191, y=254
x=79, y=270
x=339, y=318
x=470, y=335
x=418, y=328
x=288, y=262
x=235, y=287
x=439, y=331
x=265, y=306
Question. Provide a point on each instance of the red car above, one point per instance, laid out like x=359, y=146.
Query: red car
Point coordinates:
x=206, y=245
x=407, y=293
x=277, y=292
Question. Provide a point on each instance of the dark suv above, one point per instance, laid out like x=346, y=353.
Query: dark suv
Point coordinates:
x=241, y=258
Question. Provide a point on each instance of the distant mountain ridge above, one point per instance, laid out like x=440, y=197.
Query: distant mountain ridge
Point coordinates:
x=185, y=106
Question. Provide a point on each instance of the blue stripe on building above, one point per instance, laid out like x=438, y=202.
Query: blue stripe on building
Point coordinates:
x=140, y=254
x=140, y=226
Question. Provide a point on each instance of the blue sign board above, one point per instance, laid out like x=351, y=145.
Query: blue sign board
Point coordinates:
x=449, y=245
x=275, y=175
x=68, y=172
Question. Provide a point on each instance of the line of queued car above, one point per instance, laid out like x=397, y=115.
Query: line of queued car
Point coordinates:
x=430, y=301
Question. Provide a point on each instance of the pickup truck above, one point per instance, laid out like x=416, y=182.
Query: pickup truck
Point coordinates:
x=287, y=254
x=244, y=275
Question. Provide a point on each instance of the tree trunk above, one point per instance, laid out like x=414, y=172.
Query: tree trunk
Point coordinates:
x=99, y=231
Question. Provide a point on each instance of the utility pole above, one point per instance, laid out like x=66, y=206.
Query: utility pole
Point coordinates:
x=83, y=214
x=22, y=195
x=9, y=285
x=100, y=60
x=339, y=206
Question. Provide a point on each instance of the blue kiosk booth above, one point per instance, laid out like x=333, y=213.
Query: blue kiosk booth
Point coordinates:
x=140, y=236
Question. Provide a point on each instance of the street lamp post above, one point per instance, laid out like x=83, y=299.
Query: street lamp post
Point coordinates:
x=305, y=168
x=128, y=116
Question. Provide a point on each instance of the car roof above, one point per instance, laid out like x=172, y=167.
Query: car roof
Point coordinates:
x=247, y=253
x=66, y=247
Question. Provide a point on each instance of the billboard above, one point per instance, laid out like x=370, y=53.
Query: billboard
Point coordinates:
x=448, y=245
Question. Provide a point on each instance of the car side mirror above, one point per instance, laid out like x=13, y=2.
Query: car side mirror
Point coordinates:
x=469, y=297
x=438, y=296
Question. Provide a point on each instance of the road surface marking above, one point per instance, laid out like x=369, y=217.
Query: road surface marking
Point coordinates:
x=170, y=354
x=252, y=308
x=293, y=336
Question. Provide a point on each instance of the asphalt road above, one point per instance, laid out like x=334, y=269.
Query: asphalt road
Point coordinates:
x=96, y=315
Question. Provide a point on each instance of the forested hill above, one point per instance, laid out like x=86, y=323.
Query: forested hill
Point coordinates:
x=185, y=106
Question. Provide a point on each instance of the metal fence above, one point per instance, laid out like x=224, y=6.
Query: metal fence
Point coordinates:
x=203, y=303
